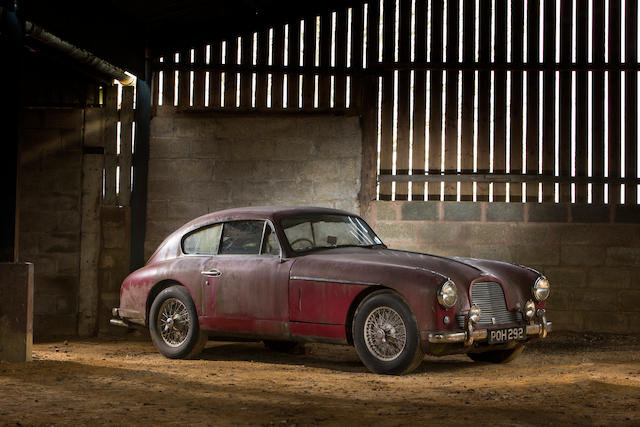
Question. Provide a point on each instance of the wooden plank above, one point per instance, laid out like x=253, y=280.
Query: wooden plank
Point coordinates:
x=308, y=84
x=110, y=157
x=565, y=151
x=168, y=82
x=294, y=61
x=386, y=144
x=340, y=85
x=419, y=100
x=373, y=22
x=404, y=92
x=184, y=80
x=614, y=116
x=435, y=119
x=532, y=82
x=369, y=143
x=214, y=76
x=631, y=103
x=598, y=102
x=549, y=97
x=451, y=100
x=582, y=107
x=500, y=100
x=468, y=81
x=515, y=146
x=230, y=76
x=261, y=77
x=324, y=86
x=278, y=61
x=124, y=159
x=484, y=98
x=198, y=79
x=246, y=58
x=357, y=28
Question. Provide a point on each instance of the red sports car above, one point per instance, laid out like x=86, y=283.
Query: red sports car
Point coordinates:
x=293, y=275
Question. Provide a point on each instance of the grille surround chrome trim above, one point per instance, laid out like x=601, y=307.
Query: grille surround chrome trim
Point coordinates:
x=489, y=296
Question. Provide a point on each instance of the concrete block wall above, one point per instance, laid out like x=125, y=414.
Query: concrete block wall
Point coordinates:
x=50, y=187
x=203, y=163
x=590, y=254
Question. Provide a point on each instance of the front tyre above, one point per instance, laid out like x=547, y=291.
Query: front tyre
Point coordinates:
x=173, y=324
x=497, y=356
x=386, y=336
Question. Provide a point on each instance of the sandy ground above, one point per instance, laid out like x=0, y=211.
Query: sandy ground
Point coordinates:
x=568, y=379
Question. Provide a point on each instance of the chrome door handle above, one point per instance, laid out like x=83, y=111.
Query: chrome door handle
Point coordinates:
x=213, y=273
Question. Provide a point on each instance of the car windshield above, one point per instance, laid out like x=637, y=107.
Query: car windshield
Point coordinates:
x=309, y=232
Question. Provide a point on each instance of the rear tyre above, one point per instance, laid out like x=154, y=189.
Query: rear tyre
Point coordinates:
x=497, y=356
x=173, y=324
x=285, y=346
x=386, y=336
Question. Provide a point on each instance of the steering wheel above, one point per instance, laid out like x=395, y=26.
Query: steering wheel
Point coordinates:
x=302, y=239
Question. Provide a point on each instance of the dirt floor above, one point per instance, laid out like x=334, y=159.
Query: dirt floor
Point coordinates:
x=568, y=379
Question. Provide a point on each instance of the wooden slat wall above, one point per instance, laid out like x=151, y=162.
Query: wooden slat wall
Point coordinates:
x=420, y=92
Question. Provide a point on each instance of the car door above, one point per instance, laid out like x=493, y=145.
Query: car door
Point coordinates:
x=246, y=283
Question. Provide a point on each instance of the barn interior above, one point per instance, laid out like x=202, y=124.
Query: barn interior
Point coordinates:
x=499, y=129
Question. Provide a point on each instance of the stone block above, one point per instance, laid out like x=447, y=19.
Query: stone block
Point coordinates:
x=546, y=212
x=435, y=233
x=419, y=211
x=63, y=118
x=483, y=234
x=494, y=252
x=161, y=126
x=462, y=211
x=450, y=250
x=209, y=191
x=67, y=264
x=60, y=242
x=561, y=299
x=54, y=325
x=528, y=233
x=258, y=149
x=590, y=299
x=55, y=284
x=608, y=278
x=566, y=320
x=542, y=255
x=582, y=255
x=617, y=256
x=65, y=305
x=634, y=322
x=600, y=234
x=606, y=322
x=627, y=214
x=630, y=300
x=566, y=277
x=397, y=231
x=114, y=237
x=186, y=210
x=16, y=311
x=505, y=212
x=590, y=213
x=168, y=148
x=385, y=211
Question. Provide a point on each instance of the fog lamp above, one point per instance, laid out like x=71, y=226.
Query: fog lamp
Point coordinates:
x=474, y=314
x=541, y=289
x=529, y=309
x=448, y=294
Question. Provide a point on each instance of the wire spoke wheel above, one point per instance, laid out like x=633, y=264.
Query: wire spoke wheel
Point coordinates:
x=173, y=322
x=385, y=333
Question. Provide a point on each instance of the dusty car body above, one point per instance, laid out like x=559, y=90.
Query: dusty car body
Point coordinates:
x=295, y=275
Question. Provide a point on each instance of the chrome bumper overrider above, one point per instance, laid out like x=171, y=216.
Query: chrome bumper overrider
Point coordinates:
x=471, y=335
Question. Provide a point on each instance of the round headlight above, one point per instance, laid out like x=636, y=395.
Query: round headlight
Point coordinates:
x=530, y=309
x=448, y=294
x=474, y=313
x=541, y=289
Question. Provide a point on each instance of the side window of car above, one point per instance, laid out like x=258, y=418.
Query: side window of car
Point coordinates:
x=270, y=244
x=241, y=237
x=203, y=242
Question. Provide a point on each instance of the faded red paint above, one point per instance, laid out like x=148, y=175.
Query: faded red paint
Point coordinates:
x=308, y=297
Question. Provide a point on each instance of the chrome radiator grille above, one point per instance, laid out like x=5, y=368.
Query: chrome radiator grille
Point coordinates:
x=493, y=308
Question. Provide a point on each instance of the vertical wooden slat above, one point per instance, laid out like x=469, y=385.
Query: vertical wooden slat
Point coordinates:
x=468, y=80
x=356, y=53
x=582, y=107
x=214, y=77
x=294, y=61
x=198, y=79
x=230, y=76
x=500, y=100
x=373, y=19
x=402, y=145
x=631, y=116
x=419, y=106
x=324, y=87
x=517, y=15
x=533, y=82
x=614, y=117
x=451, y=109
x=484, y=95
x=598, y=101
x=278, y=55
x=435, y=122
x=261, y=77
x=341, y=60
x=124, y=159
x=386, y=145
x=566, y=105
x=246, y=60
x=308, y=85
x=168, y=82
x=549, y=97
x=184, y=79
x=110, y=157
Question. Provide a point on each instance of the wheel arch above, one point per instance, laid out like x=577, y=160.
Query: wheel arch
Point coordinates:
x=351, y=312
x=153, y=293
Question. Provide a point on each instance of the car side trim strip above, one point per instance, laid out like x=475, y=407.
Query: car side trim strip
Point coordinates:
x=322, y=279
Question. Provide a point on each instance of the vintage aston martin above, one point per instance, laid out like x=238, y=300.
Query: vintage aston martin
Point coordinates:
x=293, y=275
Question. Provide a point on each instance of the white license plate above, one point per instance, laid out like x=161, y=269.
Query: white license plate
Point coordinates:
x=497, y=336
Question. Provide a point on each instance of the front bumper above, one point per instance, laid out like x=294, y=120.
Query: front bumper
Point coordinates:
x=479, y=335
